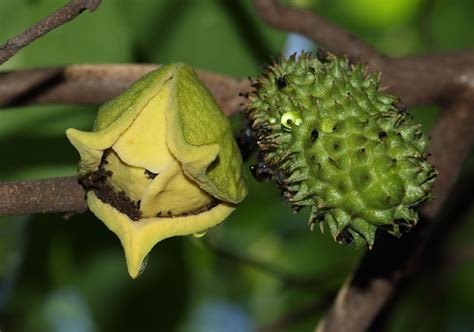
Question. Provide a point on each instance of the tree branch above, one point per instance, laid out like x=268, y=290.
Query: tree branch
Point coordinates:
x=95, y=84
x=65, y=14
x=42, y=196
x=452, y=139
x=462, y=254
x=316, y=28
x=417, y=80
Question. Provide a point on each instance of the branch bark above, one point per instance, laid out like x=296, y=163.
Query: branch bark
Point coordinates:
x=417, y=80
x=42, y=196
x=316, y=28
x=95, y=84
x=65, y=14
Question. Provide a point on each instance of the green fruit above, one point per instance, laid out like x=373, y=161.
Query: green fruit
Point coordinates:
x=337, y=144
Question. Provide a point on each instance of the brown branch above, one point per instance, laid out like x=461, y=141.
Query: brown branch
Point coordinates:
x=95, y=84
x=452, y=139
x=65, y=14
x=417, y=80
x=462, y=254
x=316, y=28
x=42, y=196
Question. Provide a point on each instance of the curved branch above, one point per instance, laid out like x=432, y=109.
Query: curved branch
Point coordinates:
x=316, y=28
x=65, y=14
x=417, y=80
x=95, y=84
x=452, y=139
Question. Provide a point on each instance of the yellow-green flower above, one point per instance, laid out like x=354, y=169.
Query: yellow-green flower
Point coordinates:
x=160, y=162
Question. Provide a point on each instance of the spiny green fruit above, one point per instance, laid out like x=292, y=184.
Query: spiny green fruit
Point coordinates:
x=334, y=142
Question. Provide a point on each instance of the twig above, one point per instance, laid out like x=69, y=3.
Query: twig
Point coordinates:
x=42, y=196
x=452, y=139
x=95, y=84
x=316, y=28
x=417, y=80
x=65, y=14
x=461, y=254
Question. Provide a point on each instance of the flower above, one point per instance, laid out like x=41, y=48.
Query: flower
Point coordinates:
x=160, y=162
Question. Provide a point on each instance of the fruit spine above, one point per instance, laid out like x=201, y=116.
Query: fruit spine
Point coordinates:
x=333, y=141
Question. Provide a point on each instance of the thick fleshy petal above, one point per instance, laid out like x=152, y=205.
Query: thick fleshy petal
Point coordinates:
x=143, y=144
x=173, y=193
x=121, y=175
x=114, y=118
x=138, y=238
x=199, y=136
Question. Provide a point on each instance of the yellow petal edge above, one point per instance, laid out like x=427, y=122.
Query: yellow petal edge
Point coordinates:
x=139, y=237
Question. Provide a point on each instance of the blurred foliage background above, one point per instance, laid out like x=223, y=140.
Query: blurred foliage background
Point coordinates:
x=263, y=263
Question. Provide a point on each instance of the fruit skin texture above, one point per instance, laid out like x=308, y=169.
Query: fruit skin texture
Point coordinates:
x=337, y=144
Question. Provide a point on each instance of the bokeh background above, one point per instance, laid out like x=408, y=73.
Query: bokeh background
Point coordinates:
x=263, y=263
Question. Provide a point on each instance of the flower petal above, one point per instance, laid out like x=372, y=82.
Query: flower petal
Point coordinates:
x=143, y=144
x=121, y=175
x=114, y=117
x=138, y=238
x=172, y=192
x=199, y=136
